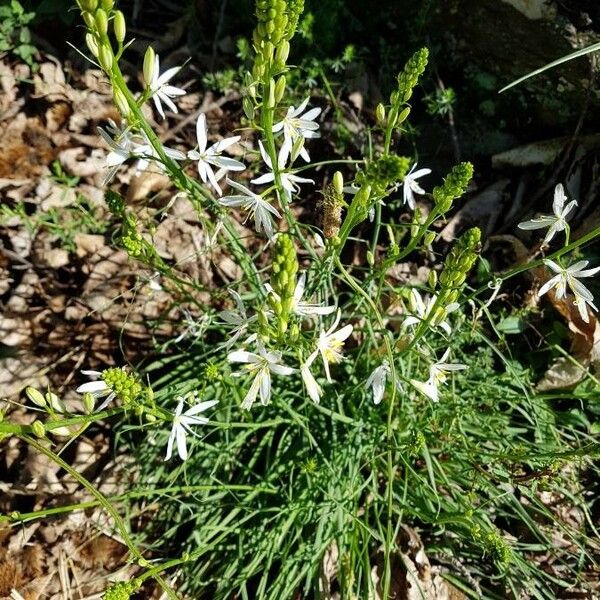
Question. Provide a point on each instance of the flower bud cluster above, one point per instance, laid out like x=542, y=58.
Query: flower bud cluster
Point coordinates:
x=125, y=385
x=454, y=186
x=493, y=543
x=457, y=265
x=121, y=590
x=384, y=172
x=407, y=80
x=284, y=269
x=98, y=16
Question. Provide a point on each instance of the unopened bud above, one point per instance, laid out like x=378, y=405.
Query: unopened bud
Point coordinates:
x=280, y=89
x=55, y=403
x=90, y=40
x=380, y=113
x=38, y=429
x=119, y=26
x=101, y=21
x=89, y=5
x=370, y=257
x=432, y=279
x=248, y=107
x=271, y=95
x=429, y=237
x=149, y=65
x=121, y=102
x=338, y=182
x=88, y=403
x=35, y=396
x=403, y=116
x=393, y=116
x=88, y=19
x=150, y=418
x=105, y=56
x=283, y=51
x=107, y=5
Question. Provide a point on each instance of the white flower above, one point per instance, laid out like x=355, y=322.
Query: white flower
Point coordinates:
x=568, y=276
x=194, y=328
x=297, y=125
x=147, y=153
x=212, y=156
x=556, y=222
x=161, y=91
x=288, y=180
x=257, y=207
x=411, y=186
x=422, y=310
x=312, y=387
x=182, y=422
x=377, y=381
x=438, y=373
x=261, y=365
x=330, y=344
x=238, y=318
x=97, y=388
x=302, y=309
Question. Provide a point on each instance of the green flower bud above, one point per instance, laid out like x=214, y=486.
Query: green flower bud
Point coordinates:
x=119, y=26
x=370, y=257
x=338, y=182
x=403, y=116
x=55, y=403
x=88, y=19
x=88, y=403
x=121, y=590
x=107, y=5
x=35, y=396
x=280, y=89
x=380, y=113
x=38, y=429
x=432, y=279
x=270, y=102
x=105, y=56
x=282, y=53
x=89, y=5
x=248, y=107
x=121, y=102
x=429, y=238
x=392, y=117
x=90, y=40
x=149, y=64
x=101, y=19
x=409, y=77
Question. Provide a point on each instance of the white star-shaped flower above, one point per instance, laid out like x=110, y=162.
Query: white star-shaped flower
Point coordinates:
x=312, y=387
x=209, y=157
x=302, y=309
x=569, y=276
x=182, y=426
x=123, y=145
x=288, y=180
x=256, y=206
x=261, y=365
x=411, y=186
x=556, y=222
x=422, y=310
x=297, y=125
x=161, y=90
x=438, y=373
x=146, y=154
x=238, y=319
x=330, y=344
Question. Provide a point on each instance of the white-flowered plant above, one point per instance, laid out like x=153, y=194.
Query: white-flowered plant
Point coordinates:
x=302, y=309
x=377, y=380
x=289, y=180
x=422, y=311
x=160, y=89
x=98, y=388
x=330, y=344
x=438, y=374
x=183, y=421
x=568, y=277
x=297, y=125
x=261, y=365
x=238, y=319
x=556, y=222
x=255, y=205
x=411, y=186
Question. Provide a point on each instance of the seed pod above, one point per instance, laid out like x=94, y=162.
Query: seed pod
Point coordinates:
x=149, y=64
x=35, y=396
x=119, y=26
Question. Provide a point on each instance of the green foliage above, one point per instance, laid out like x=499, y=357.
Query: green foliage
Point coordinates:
x=15, y=36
